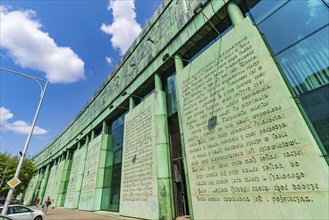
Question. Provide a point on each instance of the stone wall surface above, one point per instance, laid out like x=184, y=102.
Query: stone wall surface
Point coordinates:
x=249, y=151
x=139, y=192
x=29, y=194
x=73, y=179
x=56, y=181
x=90, y=175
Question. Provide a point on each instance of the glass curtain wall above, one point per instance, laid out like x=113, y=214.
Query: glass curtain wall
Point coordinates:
x=298, y=32
x=117, y=129
x=170, y=89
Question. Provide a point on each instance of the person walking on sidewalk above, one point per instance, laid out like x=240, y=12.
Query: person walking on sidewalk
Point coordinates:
x=37, y=201
x=46, y=204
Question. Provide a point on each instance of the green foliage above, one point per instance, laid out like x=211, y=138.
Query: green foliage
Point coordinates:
x=8, y=165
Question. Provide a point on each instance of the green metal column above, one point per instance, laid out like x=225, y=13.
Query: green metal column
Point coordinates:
x=84, y=149
x=37, y=187
x=44, y=182
x=64, y=180
x=131, y=103
x=234, y=13
x=165, y=188
x=103, y=179
x=179, y=66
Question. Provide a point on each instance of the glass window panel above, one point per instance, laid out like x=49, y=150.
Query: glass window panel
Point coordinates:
x=115, y=187
x=316, y=105
x=118, y=137
x=306, y=64
x=293, y=22
x=10, y=210
x=171, y=94
x=172, y=101
x=117, y=132
x=119, y=121
x=297, y=32
x=117, y=156
x=20, y=209
x=326, y=2
x=265, y=8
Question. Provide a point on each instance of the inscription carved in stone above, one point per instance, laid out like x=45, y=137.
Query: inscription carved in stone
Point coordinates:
x=248, y=149
x=90, y=174
x=139, y=172
x=73, y=179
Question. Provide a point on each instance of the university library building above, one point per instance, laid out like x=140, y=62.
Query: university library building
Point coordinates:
x=218, y=110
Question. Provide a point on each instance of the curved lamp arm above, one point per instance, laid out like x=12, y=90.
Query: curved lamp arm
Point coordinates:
x=20, y=163
x=34, y=79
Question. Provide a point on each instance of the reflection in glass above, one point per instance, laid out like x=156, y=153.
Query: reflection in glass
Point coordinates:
x=306, y=64
x=265, y=9
x=117, y=133
x=316, y=105
x=292, y=22
x=298, y=33
x=171, y=94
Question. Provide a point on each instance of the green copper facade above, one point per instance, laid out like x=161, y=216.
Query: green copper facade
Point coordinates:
x=210, y=114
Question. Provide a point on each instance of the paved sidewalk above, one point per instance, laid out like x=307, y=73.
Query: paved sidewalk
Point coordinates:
x=60, y=213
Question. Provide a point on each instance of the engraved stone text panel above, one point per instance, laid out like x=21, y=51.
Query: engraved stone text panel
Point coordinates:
x=139, y=174
x=249, y=152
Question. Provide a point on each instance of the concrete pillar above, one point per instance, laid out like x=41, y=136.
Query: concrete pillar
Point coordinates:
x=234, y=13
x=179, y=66
x=165, y=188
x=64, y=180
x=84, y=149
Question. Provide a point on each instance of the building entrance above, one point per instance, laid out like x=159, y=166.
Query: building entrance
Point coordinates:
x=179, y=184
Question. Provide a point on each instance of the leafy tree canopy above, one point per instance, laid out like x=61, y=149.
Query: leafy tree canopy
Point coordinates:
x=8, y=165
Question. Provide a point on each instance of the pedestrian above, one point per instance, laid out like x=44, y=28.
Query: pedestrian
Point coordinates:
x=45, y=205
x=37, y=201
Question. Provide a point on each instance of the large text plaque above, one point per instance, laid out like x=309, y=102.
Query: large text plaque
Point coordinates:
x=90, y=174
x=73, y=179
x=139, y=192
x=250, y=154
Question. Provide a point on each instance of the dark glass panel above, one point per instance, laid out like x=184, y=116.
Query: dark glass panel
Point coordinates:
x=316, y=105
x=171, y=94
x=264, y=9
x=292, y=22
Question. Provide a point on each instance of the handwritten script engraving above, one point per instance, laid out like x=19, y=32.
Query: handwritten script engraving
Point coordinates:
x=248, y=148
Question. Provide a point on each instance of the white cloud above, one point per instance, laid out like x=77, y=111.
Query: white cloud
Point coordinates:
x=32, y=48
x=19, y=126
x=108, y=60
x=124, y=28
x=5, y=115
x=22, y=127
x=313, y=6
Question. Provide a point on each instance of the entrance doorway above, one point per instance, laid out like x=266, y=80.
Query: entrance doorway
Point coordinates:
x=179, y=184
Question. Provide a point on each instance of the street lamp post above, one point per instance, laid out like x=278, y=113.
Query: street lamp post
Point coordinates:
x=3, y=175
x=20, y=163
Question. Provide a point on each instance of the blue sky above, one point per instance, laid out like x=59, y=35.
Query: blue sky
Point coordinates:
x=73, y=44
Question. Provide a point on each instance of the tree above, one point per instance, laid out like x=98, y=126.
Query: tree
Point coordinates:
x=8, y=165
